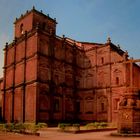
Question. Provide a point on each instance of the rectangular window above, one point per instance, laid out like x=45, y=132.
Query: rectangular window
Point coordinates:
x=56, y=105
x=102, y=60
x=56, y=79
x=116, y=104
x=78, y=107
x=102, y=107
x=117, y=80
x=89, y=106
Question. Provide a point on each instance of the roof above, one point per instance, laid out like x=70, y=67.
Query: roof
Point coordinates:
x=117, y=49
x=36, y=11
x=93, y=43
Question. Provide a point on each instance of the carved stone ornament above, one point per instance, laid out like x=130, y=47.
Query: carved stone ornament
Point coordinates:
x=123, y=102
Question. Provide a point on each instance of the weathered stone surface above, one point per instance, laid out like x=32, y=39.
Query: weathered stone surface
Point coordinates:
x=49, y=78
x=129, y=113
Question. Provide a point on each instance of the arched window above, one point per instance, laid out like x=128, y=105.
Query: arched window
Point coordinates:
x=56, y=105
x=102, y=60
x=116, y=104
x=44, y=26
x=21, y=28
x=89, y=105
x=102, y=107
x=117, y=80
x=78, y=107
x=103, y=104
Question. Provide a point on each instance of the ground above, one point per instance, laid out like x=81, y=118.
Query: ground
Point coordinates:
x=54, y=135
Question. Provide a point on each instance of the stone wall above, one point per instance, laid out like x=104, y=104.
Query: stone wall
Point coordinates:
x=54, y=78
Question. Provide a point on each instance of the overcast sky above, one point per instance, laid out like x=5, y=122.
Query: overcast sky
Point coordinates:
x=82, y=20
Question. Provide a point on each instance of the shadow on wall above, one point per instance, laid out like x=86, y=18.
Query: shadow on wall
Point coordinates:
x=1, y=80
x=0, y=114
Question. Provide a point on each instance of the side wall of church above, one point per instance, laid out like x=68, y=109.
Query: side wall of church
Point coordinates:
x=20, y=75
x=104, y=79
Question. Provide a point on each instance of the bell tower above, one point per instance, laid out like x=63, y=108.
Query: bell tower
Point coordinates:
x=31, y=19
x=32, y=34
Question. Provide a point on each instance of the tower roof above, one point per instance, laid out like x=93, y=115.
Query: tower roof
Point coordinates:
x=33, y=10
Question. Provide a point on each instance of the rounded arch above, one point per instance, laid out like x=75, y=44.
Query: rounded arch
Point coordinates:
x=21, y=28
x=102, y=104
x=44, y=102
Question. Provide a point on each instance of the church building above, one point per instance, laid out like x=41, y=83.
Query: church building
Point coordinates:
x=52, y=78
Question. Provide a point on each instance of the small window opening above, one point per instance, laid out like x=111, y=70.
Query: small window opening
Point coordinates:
x=21, y=28
x=102, y=60
x=56, y=105
x=78, y=106
x=116, y=104
x=44, y=26
x=117, y=80
x=56, y=79
x=102, y=107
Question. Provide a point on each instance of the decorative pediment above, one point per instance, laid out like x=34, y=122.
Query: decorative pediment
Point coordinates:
x=89, y=98
x=102, y=51
x=89, y=75
x=102, y=73
x=117, y=71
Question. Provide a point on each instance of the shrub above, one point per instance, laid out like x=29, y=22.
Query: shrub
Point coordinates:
x=63, y=125
x=41, y=125
x=103, y=124
x=22, y=127
x=96, y=125
x=19, y=127
x=76, y=125
x=2, y=127
x=9, y=127
x=30, y=127
x=92, y=125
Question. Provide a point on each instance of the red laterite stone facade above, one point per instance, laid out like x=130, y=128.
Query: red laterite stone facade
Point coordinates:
x=52, y=78
x=1, y=87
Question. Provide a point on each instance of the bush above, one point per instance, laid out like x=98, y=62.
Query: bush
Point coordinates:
x=19, y=127
x=96, y=125
x=103, y=124
x=41, y=125
x=76, y=125
x=63, y=125
x=30, y=127
x=22, y=127
x=92, y=125
x=69, y=127
x=2, y=127
x=9, y=127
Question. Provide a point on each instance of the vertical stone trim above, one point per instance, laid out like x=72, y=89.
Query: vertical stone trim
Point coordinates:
x=24, y=81
x=37, y=80
x=74, y=79
x=131, y=73
x=4, y=80
x=51, y=82
x=37, y=103
x=63, y=87
x=125, y=70
x=96, y=82
x=13, y=86
x=110, y=111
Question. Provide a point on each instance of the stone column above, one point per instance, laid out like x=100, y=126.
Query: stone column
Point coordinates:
x=129, y=114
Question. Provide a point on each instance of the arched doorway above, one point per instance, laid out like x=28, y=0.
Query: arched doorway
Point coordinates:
x=102, y=108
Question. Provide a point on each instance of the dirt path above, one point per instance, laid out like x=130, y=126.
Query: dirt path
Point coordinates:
x=54, y=135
